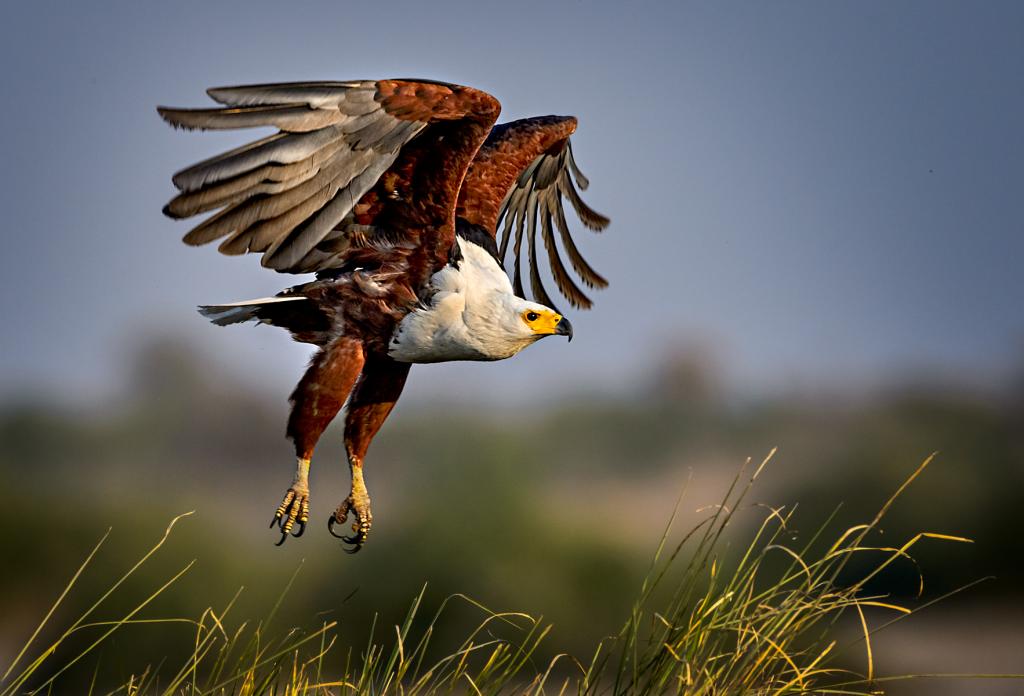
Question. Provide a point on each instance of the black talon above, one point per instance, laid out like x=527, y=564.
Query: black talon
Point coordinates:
x=301, y=528
x=354, y=549
x=330, y=527
x=273, y=521
x=284, y=537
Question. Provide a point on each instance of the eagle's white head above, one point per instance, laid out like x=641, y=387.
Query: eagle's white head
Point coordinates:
x=505, y=324
x=474, y=315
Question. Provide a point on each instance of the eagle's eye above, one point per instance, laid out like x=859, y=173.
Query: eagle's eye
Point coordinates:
x=532, y=316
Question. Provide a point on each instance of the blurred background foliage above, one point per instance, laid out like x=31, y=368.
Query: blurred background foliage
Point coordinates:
x=555, y=511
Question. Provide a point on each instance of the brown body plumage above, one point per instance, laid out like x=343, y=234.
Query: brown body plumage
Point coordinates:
x=369, y=184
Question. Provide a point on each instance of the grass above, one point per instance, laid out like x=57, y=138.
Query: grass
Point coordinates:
x=704, y=623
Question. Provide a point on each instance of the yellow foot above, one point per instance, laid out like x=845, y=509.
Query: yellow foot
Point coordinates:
x=359, y=506
x=294, y=508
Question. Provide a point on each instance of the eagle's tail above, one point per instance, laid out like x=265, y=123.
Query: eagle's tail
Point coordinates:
x=247, y=310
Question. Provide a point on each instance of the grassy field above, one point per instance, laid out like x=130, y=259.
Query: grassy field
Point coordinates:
x=770, y=616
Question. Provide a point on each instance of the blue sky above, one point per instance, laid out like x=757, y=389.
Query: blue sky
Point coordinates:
x=821, y=193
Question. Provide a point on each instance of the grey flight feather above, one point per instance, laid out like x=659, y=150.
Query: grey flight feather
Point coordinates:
x=268, y=179
x=302, y=239
x=238, y=312
x=336, y=174
x=536, y=286
x=291, y=118
x=316, y=94
x=538, y=194
x=282, y=148
x=286, y=193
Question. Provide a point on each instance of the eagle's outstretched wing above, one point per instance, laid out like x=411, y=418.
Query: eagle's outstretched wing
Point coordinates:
x=352, y=163
x=520, y=177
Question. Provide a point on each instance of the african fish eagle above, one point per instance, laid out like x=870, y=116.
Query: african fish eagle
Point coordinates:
x=392, y=193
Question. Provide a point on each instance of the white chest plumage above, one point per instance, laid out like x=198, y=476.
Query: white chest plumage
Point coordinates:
x=473, y=315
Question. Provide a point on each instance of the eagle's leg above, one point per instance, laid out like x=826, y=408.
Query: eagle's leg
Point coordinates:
x=375, y=395
x=317, y=398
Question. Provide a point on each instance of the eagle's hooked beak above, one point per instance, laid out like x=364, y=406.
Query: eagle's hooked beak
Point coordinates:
x=564, y=328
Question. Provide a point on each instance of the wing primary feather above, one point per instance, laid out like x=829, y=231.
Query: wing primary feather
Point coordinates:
x=189, y=204
x=517, y=280
x=183, y=180
x=544, y=183
x=288, y=117
x=506, y=230
x=281, y=148
x=536, y=286
x=250, y=211
x=582, y=181
x=208, y=229
x=564, y=282
x=317, y=94
x=547, y=171
x=527, y=174
x=270, y=178
x=588, y=216
x=591, y=277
